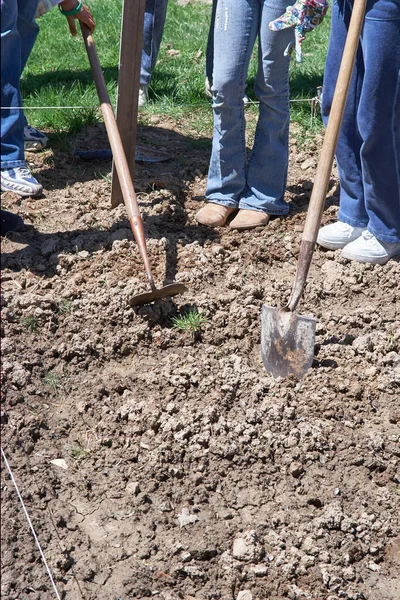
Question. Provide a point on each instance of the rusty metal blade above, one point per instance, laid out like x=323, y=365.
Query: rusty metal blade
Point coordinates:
x=287, y=342
x=165, y=292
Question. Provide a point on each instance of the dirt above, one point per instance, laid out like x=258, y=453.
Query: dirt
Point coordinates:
x=155, y=462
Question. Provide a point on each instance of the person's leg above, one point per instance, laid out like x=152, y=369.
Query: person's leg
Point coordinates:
x=28, y=30
x=210, y=48
x=378, y=119
x=34, y=140
x=236, y=27
x=267, y=172
x=27, y=27
x=12, y=120
x=154, y=21
x=352, y=206
x=378, y=122
x=14, y=52
x=18, y=35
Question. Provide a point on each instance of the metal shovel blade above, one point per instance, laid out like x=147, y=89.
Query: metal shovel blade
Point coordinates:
x=287, y=342
x=165, y=292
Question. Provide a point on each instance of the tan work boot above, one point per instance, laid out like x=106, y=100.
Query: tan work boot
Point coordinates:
x=248, y=219
x=214, y=215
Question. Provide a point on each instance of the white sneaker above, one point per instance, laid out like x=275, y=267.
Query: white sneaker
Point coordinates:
x=338, y=235
x=143, y=95
x=34, y=140
x=21, y=181
x=368, y=249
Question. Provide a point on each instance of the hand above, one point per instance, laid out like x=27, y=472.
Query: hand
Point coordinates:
x=84, y=15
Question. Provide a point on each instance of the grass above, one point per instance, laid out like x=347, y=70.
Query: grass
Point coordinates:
x=79, y=452
x=31, y=323
x=58, y=72
x=85, y=446
x=65, y=306
x=190, y=321
x=55, y=381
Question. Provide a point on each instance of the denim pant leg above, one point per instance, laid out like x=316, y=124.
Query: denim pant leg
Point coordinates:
x=28, y=31
x=236, y=27
x=378, y=119
x=267, y=171
x=349, y=142
x=14, y=54
x=210, y=44
x=368, y=150
x=154, y=21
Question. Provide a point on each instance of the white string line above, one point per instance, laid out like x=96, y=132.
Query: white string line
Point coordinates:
x=30, y=524
x=317, y=98
x=48, y=107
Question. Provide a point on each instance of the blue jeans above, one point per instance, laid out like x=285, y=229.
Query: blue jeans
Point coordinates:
x=18, y=34
x=210, y=43
x=368, y=150
x=260, y=185
x=154, y=21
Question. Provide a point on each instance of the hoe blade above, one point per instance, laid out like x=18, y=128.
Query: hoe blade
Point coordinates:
x=287, y=342
x=167, y=291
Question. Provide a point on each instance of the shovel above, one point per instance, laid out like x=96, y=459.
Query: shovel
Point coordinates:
x=125, y=179
x=287, y=339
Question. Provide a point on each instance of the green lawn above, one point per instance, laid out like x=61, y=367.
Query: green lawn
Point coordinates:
x=58, y=72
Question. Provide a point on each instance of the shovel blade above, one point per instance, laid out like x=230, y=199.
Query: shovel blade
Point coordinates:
x=287, y=342
x=165, y=292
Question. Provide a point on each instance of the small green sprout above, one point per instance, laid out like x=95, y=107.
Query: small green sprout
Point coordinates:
x=191, y=321
x=54, y=380
x=79, y=453
x=65, y=306
x=30, y=322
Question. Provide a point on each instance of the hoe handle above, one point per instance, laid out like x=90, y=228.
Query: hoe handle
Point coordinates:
x=324, y=169
x=117, y=148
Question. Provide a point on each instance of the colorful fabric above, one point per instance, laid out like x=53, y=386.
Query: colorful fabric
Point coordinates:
x=304, y=16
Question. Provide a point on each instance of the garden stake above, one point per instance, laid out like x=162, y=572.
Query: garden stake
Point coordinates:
x=287, y=339
x=125, y=179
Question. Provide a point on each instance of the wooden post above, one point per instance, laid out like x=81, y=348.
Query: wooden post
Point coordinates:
x=128, y=86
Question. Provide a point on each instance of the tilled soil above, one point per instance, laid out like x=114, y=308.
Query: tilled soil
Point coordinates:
x=156, y=462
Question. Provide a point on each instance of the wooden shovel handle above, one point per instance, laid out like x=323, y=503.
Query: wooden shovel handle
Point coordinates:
x=324, y=169
x=117, y=148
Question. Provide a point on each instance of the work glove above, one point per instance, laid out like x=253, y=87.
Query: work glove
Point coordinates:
x=304, y=16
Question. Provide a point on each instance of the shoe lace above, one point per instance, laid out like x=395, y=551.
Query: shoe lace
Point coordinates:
x=24, y=172
x=367, y=235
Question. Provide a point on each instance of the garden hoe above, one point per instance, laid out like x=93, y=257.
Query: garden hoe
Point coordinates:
x=125, y=179
x=287, y=339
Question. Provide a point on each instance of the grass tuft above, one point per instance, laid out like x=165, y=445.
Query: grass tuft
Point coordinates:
x=55, y=381
x=65, y=306
x=191, y=321
x=31, y=323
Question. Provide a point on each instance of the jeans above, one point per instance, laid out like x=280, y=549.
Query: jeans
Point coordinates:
x=368, y=150
x=18, y=34
x=154, y=21
x=210, y=44
x=260, y=185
